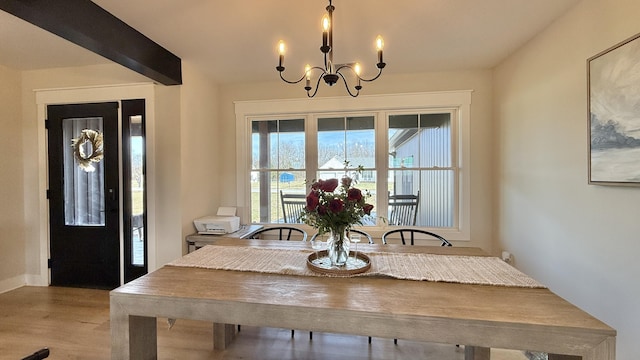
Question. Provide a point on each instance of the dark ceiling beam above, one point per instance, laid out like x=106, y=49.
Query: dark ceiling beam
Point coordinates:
x=90, y=26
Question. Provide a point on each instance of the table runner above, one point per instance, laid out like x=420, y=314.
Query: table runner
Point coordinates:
x=481, y=270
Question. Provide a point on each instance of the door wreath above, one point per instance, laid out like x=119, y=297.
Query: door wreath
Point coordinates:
x=93, y=155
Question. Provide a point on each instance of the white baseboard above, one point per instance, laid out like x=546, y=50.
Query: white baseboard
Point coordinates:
x=36, y=280
x=12, y=283
x=22, y=280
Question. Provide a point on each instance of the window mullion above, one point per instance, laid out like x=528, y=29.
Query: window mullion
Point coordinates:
x=382, y=164
x=311, y=139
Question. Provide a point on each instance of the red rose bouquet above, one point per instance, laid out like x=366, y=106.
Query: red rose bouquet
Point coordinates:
x=334, y=205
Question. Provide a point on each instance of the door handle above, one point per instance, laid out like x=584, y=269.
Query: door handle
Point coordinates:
x=112, y=200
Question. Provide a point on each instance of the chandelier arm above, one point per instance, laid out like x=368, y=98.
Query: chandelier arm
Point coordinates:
x=345, y=66
x=373, y=78
x=348, y=66
x=346, y=85
x=292, y=82
x=315, y=91
x=324, y=71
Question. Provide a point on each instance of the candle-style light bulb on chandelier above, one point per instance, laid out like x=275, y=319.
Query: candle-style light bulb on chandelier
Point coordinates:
x=331, y=73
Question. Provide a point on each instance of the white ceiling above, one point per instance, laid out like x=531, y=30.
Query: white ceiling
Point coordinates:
x=235, y=41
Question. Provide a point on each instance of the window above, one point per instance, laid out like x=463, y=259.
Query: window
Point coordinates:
x=421, y=163
x=410, y=146
x=348, y=140
x=134, y=188
x=83, y=189
x=277, y=165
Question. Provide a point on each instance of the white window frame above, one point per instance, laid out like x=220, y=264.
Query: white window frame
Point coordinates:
x=382, y=105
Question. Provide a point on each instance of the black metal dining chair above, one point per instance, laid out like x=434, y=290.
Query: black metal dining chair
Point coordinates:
x=363, y=233
x=280, y=233
x=409, y=234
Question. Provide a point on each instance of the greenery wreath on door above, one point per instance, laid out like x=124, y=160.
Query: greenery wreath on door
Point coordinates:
x=92, y=152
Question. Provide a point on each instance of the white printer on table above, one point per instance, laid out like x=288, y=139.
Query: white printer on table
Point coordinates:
x=224, y=222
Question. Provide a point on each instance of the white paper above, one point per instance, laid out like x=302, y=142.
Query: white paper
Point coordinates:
x=226, y=211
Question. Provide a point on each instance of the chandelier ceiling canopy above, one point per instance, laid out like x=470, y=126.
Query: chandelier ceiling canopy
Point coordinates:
x=331, y=73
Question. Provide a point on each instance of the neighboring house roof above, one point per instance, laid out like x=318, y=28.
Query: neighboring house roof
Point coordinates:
x=336, y=163
x=333, y=163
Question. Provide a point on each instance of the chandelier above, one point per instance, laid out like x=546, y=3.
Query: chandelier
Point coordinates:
x=331, y=73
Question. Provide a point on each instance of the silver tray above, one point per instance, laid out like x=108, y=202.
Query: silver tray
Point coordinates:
x=319, y=262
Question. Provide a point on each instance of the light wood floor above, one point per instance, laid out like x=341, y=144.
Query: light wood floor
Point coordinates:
x=74, y=324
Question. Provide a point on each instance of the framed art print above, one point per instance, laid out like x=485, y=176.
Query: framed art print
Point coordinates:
x=613, y=80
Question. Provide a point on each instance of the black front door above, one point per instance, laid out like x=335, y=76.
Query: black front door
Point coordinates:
x=84, y=195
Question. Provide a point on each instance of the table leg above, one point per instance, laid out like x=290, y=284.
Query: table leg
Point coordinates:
x=132, y=337
x=119, y=332
x=143, y=337
x=606, y=350
x=223, y=335
x=477, y=353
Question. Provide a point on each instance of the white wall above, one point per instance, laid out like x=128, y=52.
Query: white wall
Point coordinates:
x=165, y=208
x=12, y=227
x=201, y=149
x=581, y=240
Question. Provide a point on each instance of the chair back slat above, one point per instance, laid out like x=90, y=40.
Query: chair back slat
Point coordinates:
x=292, y=206
x=403, y=209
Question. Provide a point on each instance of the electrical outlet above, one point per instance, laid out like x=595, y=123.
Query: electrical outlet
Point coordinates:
x=507, y=257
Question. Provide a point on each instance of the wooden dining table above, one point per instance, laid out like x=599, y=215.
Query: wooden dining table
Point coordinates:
x=477, y=316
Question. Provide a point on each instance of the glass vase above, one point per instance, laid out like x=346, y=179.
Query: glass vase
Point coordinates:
x=338, y=247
